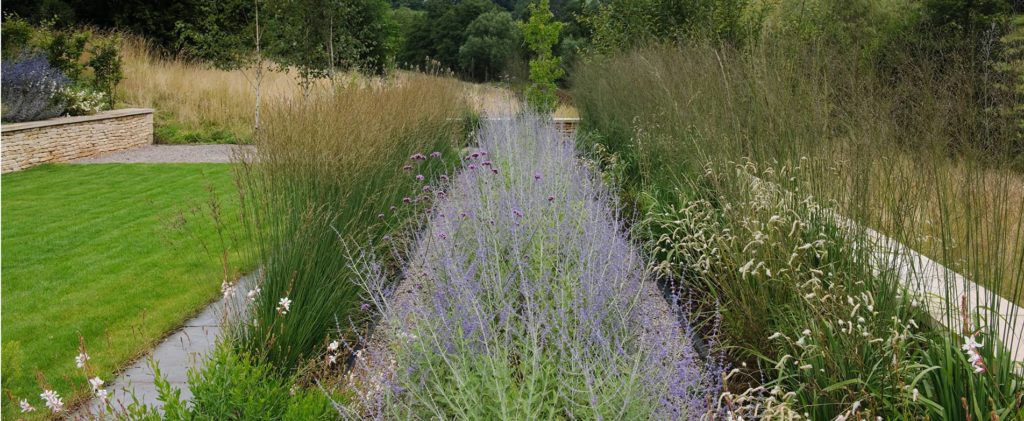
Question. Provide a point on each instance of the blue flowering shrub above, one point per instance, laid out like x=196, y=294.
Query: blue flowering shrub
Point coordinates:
x=30, y=89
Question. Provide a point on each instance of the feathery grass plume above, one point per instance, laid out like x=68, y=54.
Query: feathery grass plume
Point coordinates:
x=325, y=168
x=525, y=299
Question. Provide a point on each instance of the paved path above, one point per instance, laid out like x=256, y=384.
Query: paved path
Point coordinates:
x=166, y=154
x=933, y=283
x=181, y=351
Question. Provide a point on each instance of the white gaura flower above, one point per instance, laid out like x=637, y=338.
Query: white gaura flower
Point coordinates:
x=971, y=346
x=102, y=394
x=333, y=346
x=253, y=293
x=25, y=406
x=96, y=383
x=81, y=359
x=331, y=359
x=53, y=400
x=284, y=305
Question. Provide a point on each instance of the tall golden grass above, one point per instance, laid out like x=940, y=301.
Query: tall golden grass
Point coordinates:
x=328, y=172
x=888, y=148
x=196, y=95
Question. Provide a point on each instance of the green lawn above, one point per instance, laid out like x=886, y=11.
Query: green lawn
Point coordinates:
x=99, y=250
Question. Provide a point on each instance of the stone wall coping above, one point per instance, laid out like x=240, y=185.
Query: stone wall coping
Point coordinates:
x=58, y=121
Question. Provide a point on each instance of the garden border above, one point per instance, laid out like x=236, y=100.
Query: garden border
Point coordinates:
x=62, y=139
x=932, y=282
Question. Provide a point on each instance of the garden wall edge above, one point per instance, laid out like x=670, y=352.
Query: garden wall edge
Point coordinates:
x=62, y=139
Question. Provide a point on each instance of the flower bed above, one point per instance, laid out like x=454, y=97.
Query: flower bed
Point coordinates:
x=524, y=299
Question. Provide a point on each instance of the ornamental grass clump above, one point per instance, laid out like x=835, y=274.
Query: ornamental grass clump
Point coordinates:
x=327, y=167
x=525, y=299
x=789, y=185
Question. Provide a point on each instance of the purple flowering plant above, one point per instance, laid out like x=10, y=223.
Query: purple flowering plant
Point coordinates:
x=515, y=306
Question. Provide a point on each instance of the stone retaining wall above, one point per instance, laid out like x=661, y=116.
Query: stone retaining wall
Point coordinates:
x=62, y=139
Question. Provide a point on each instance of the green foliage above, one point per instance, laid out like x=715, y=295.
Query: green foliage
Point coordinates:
x=15, y=34
x=316, y=37
x=222, y=34
x=621, y=24
x=106, y=67
x=168, y=131
x=541, y=34
x=236, y=386
x=492, y=40
x=64, y=50
x=319, y=36
x=437, y=39
x=404, y=22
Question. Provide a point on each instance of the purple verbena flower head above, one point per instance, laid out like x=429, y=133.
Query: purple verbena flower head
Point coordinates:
x=420, y=177
x=435, y=154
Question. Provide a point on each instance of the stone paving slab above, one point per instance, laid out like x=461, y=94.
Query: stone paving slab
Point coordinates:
x=182, y=350
x=932, y=283
x=168, y=154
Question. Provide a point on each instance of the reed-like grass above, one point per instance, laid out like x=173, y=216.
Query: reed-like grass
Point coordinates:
x=912, y=154
x=329, y=169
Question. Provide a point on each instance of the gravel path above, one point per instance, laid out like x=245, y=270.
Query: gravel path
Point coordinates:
x=166, y=154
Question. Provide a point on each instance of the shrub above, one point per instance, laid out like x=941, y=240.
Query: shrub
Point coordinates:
x=64, y=50
x=30, y=89
x=106, y=67
x=81, y=101
x=235, y=386
x=15, y=35
x=541, y=35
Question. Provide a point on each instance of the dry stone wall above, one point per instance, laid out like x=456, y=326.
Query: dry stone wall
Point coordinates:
x=63, y=139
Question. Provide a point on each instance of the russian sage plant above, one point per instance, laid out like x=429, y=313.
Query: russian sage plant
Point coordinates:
x=30, y=86
x=524, y=299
